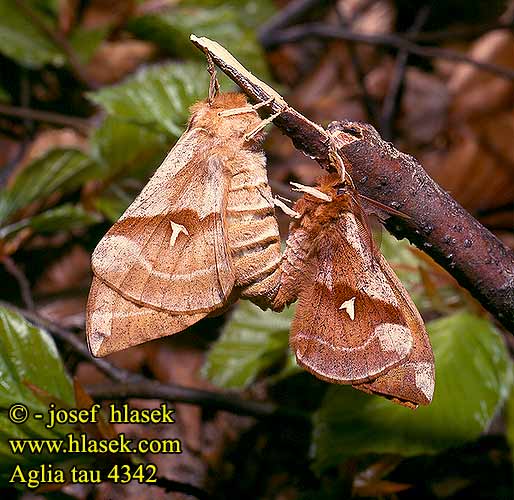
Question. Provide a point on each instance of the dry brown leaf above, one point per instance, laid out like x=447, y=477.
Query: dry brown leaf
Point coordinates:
x=181, y=365
x=370, y=482
x=114, y=13
x=67, y=15
x=380, y=489
x=476, y=91
x=377, y=18
x=72, y=270
x=378, y=78
x=424, y=107
x=46, y=140
x=67, y=312
x=115, y=60
x=478, y=167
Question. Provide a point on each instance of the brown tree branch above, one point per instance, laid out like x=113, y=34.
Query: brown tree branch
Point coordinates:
x=437, y=224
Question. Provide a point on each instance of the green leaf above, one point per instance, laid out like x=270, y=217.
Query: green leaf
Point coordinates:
x=127, y=148
x=50, y=7
x=65, y=217
x=473, y=377
x=113, y=202
x=28, y=354
x=22, y=41
x=86, y=42
x=253, y=13
x=4, y=96
x=62, y=170
x=406, y=264
x=230, y=24
x=251, y=341
x=509, y=422
x=158, y=98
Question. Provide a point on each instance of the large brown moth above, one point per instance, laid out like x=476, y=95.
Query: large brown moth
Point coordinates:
x=355, y=322
x=200, y=234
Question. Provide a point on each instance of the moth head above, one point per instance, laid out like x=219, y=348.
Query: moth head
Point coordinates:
x=313, y=193
x=327, y=200
x=329, y=188
x=217, y=118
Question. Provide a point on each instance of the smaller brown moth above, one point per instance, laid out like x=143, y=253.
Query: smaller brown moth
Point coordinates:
x=355, y=322
x=200, y=234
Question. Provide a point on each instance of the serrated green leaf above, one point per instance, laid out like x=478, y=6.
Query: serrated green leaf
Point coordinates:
x=62, y=170
x=251, y=341
x=65, y=217
x=28, y=354
x=230, y=24
x=473, y=377
x=158, y=98
x=22, y=41
x=127, y=148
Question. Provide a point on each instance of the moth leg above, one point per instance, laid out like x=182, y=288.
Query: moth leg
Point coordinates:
x=214, y=85
x=261, y=125
x=338, y=162
x=246, y=109
x=287, y=210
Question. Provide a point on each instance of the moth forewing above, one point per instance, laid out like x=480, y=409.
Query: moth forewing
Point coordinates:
x=355, y=323
x=115, y=323
x=191, y=242
x=327, y=340
x=412, y=382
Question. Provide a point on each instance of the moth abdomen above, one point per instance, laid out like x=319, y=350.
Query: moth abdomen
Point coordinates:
x=252, y=229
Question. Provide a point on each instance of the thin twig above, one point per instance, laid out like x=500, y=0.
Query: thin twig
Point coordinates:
x=170, y=485
x=151, y=389
x=393, y=96
x=25, y=95
x=23, y=283
x=292, y=13
x=460, y=33
x=369, y=103
x=61, y=43
x=130, y=385
x=80, y=124
x=72, y=340
x=317, y=30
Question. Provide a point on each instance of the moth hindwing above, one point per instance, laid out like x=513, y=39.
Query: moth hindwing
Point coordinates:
x=201, y=233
